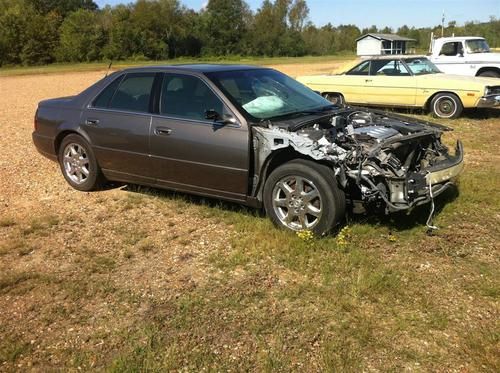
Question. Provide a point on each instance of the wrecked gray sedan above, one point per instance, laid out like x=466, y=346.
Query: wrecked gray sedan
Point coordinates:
x=249, y=135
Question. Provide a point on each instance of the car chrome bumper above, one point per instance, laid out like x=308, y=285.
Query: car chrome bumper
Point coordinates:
x=489, y=101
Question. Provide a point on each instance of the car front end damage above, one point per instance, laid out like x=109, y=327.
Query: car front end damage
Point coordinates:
x=382, y=161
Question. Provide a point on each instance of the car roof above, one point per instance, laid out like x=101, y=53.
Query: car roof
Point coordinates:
x=458, y=38
x=393, y=57
x=199, y=68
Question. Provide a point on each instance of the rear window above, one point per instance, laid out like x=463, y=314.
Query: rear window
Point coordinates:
x=102, y=101
x=451, y=49
x=133, y=93
x=130, y=92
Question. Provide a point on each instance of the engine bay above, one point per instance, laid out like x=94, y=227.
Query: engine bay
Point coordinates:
x=382, y=160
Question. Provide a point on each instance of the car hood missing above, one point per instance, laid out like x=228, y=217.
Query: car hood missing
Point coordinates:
x=385, y=160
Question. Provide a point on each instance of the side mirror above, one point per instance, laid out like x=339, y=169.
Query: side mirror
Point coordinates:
x=220, y=119
x=228, y=119
x=211, y=114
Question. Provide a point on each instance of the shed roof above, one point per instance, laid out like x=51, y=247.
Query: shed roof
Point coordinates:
x=388, y=37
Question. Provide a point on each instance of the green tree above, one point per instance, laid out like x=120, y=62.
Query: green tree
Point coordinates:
x=41, y=39
x=81, y=37
x=225, y=22
x=61, y=7
x=298, y=14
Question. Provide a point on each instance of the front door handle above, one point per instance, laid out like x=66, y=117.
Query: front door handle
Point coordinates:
x=163, y=131
x=92, y=122
x=368, y=80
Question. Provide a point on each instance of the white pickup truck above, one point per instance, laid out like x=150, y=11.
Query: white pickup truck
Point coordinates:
x=465, y=55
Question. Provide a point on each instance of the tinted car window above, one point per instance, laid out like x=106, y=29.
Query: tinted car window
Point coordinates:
x=134, y=93
x=102, y=101
x=362, y=69
x=186, y=96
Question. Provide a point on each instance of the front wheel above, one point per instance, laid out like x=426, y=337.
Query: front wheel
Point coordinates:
x=446, y=106
x=303, y=195
x=79, y=165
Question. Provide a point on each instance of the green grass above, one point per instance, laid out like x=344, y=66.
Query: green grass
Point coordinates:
x=99, y=66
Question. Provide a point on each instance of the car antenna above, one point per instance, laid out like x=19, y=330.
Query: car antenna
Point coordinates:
x=109, y=67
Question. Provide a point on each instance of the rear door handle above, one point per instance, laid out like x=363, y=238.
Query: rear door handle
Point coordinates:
x=92, y=122
x=163, y=131
x=368, y=80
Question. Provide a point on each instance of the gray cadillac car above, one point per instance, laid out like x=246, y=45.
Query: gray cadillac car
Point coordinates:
x=246, y=134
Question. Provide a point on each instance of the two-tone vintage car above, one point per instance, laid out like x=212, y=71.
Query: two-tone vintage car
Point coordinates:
x=406, y=81
x=249, y=135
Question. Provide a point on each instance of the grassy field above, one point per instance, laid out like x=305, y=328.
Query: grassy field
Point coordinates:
x=98, y=66
x=137, y=279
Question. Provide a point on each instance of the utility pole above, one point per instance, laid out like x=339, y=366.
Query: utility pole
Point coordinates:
x=442, y=25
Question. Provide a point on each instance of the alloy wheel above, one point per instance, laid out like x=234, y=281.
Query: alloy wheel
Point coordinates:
x=76, y=163
x=297, y=203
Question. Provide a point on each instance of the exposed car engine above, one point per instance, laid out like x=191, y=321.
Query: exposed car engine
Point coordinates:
x=383, y=161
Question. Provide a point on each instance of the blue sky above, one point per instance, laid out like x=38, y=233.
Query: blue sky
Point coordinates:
x=393, y=13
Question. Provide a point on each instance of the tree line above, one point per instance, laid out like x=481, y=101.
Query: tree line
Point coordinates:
x=34, y=32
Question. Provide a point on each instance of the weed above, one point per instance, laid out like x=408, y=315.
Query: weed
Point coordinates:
x=11, y=348
x=11, y=245
x=40, y=225
x=7, y=222
x=146, y=245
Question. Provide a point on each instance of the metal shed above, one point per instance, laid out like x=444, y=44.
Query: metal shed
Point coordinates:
x=376, y=44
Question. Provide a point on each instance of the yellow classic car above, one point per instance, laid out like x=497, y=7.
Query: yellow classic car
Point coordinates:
x=406, y=81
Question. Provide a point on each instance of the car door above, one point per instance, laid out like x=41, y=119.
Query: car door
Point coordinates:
x=355, y=83
x=450, y=58
x=191, y=152
x=391, y=83
x=118, y=124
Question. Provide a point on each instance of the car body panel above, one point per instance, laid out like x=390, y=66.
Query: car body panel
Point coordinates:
x=201, y=155
x=120, y=140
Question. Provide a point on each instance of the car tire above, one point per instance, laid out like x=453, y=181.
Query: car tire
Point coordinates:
x=446, y=106
x=79, y=165
x=490, y=74
x=304, y=195
x=335, y=98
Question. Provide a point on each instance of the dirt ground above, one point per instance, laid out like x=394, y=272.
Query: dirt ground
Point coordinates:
x=79, y=271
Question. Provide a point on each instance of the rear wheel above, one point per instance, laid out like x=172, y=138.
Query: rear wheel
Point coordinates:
x=78, y=164
x=446, y=106
x=303, y=195
x=335, y=98
x=490, y=74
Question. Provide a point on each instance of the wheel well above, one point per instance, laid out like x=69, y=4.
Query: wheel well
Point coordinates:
x=277, y=159
x=490, y=68
x=60, y=137
x=429, y=100
x=280, y=158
